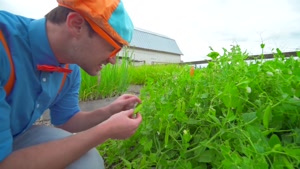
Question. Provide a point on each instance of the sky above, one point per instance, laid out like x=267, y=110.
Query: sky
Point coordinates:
x=196, y=25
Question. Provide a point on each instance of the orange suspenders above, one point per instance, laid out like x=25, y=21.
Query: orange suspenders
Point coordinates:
x=11, y=81
x=64, y=79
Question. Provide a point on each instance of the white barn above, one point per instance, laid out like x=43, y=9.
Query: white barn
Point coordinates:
x=152, y=48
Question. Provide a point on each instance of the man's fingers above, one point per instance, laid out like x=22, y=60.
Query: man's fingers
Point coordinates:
x=129, y=112
x=126, y=96
x=139, y=116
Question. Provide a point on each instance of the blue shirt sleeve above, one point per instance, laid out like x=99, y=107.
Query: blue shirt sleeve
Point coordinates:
x=5, y=132
x=67, y=102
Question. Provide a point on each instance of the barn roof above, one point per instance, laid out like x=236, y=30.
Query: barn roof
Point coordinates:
x=152, y=41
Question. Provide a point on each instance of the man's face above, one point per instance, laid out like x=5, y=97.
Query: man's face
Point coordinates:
x=94, y=52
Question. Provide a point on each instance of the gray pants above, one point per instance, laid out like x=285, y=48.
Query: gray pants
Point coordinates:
x=41, y=134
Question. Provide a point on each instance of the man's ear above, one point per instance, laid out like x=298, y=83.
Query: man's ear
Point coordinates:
x=75, y=23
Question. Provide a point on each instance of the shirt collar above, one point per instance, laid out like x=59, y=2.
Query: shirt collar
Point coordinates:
x=41, y=50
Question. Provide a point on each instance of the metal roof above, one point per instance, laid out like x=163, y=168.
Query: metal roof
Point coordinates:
x=153, y=41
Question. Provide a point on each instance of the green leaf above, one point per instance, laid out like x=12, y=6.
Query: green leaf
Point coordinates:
x=281, y=162
x=297, y=136
x=259, y=148
x=228, y=164
x=287, y=163
x=201, y=166
x=146, y=143
x=248, y=163
x=207, y=156
x=230, y=116
x=213, y=55
x=293, y=151
x=274, y=140
x=153, y=157
x=261, y=162
x=215, y=119
x=204, y=96
x=259, y=140
x=230, y=96
x=185, y=164
x=279, y=51
x=248, y=117
x=127, y=163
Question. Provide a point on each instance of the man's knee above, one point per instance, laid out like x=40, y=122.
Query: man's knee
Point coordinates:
x=41, y=134
x=91, y=160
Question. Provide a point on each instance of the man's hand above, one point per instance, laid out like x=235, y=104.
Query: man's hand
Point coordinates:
x=122, y=103
x=122, y=125
x=85, y=120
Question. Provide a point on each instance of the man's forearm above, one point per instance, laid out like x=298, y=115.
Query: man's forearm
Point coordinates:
x=85, y=120
x=56, y=154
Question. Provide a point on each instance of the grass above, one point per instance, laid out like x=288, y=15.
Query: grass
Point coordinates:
x=115, y=79
x=139, y=75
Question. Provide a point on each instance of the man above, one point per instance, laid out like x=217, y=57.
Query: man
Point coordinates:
x=78, y=33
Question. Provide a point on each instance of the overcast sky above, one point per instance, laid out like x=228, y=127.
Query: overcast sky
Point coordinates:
x=197, y=24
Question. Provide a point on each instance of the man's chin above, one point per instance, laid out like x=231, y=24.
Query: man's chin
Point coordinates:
x=93, y=72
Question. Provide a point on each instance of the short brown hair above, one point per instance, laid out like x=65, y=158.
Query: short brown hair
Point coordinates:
x=59, y=15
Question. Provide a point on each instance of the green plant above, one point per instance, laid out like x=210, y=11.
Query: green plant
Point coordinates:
x=232, y=114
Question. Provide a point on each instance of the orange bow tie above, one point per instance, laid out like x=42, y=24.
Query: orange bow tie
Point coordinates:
x=48, y=68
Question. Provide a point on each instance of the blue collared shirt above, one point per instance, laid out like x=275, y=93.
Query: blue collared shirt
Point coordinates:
x=34, y=91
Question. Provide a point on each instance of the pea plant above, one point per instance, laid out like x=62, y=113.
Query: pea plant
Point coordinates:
x=231, y=114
